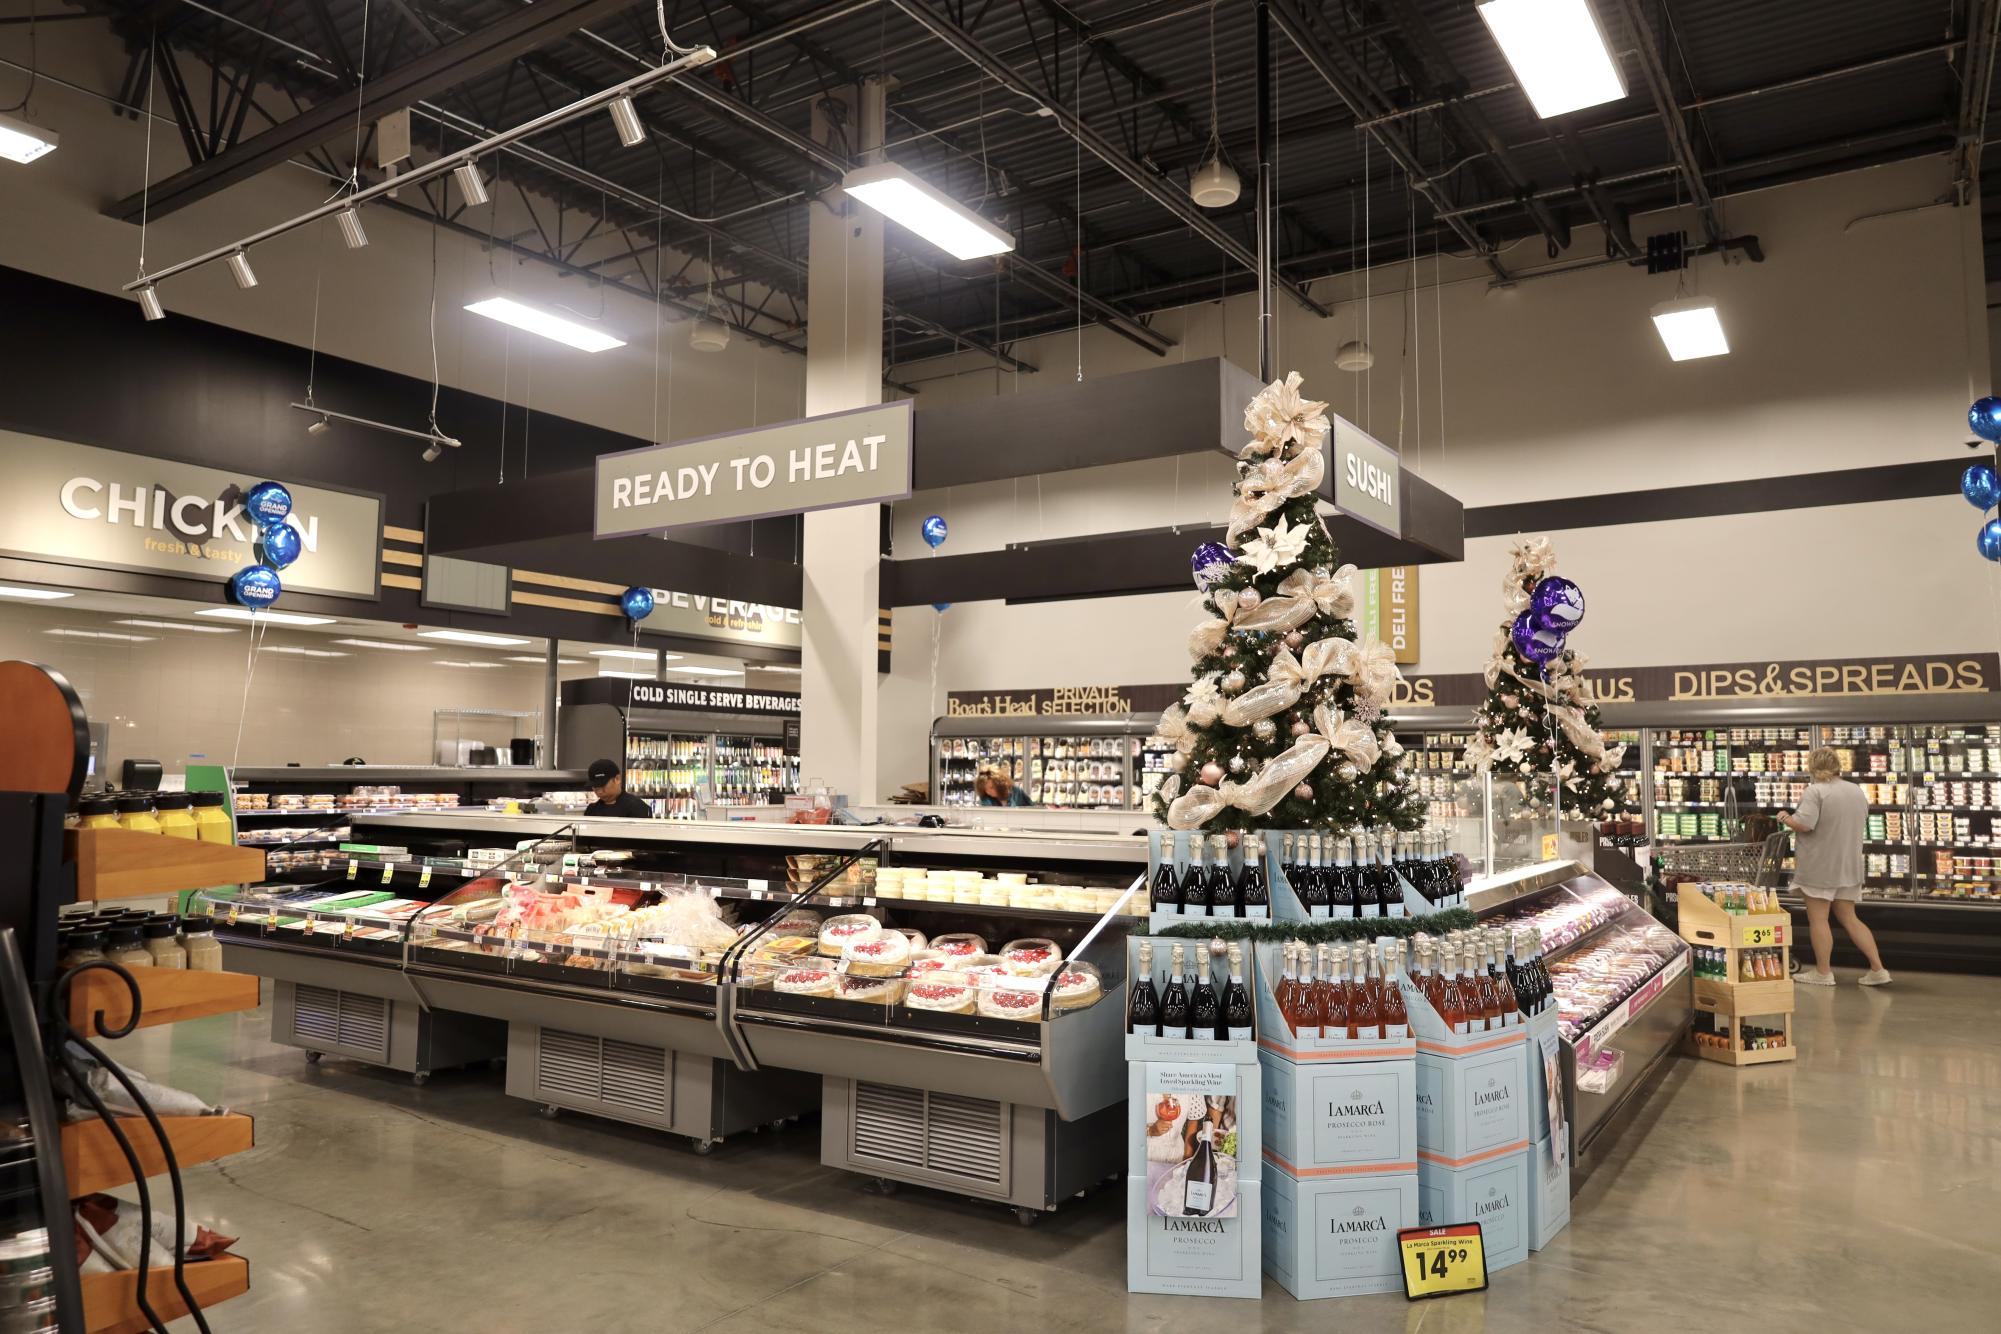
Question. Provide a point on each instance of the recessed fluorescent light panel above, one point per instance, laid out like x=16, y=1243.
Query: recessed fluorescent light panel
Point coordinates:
x=298, y=652
x=705, y=671
x=1690, y=329
x=1557, y=51
x=560, y=662
x=383, y=644
x=35, y=594
x=100, y=634
x=902, y=197
x=453, y=662
x=268, y=617
x=636, y=654
x=567, y=332
x=22, y=142
x=628, y=676
x=472, y=637
x=178, y=625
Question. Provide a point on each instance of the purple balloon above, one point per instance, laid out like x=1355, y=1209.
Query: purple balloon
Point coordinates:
x=1210, y=562
x=1557, y=605
x=1538, y=645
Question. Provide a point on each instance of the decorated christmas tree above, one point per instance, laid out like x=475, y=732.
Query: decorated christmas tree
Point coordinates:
x=1538, y=725
x=1282, y=727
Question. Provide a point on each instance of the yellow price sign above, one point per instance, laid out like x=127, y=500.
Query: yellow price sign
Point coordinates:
x=1439, y=1261
x=1549, y=847
x=353, y=869
x=1764, y=935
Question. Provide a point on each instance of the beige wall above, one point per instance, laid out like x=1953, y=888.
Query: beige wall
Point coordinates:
x=1859, y=341
x=180, y=695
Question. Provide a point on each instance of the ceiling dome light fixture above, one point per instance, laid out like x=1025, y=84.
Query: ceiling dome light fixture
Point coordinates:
x=1354, y=355
x=710, y=334
x=1215, y=184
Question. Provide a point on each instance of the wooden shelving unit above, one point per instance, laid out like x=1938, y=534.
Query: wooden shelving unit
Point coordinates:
x=92, y=1161
x=1731, y=1000
x=111, y=1305
x=127, y=864
x=166, y=996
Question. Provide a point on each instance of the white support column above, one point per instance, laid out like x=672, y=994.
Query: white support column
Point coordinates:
x=839, y=712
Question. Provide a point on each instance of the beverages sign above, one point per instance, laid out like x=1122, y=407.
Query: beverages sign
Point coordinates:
x=1367, y=478
x=105, y=509
x=697, y=616
x=841, y=458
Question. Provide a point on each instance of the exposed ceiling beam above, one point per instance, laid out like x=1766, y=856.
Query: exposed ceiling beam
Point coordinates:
x=1983, y=22
x=487, y=47
x=1161, y=191
x=1683, y=148
x=1369, y=103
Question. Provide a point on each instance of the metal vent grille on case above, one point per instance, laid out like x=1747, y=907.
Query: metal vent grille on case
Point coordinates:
x=939, y=1132
x=579, y=1068
x=334, y=1020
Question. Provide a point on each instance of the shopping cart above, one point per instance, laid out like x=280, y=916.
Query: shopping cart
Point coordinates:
x=1752, y=863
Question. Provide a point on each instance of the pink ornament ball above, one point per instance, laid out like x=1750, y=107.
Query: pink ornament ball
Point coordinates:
x=1212, y=773
x=1232, y=839
x=1304, y=792
x=1299, y=727
x=1247, y=599
x=1294, y=638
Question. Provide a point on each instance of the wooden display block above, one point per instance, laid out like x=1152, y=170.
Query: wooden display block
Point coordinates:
x=110, y=1304
x=1703, y=923
x=1744, y=998
x=1734, y=1053
x=127, y=864
x=166, y=996
x=92, y=1161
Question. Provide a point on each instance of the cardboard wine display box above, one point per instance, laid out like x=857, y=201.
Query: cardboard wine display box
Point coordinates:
x=1336, y=1236
x=1549, y=1194
x=1195, y=954
x=1146, y=1081
x=1493, y=1192
x=1285, y=905
x=1543, y=1040
x=1195, y=1257
x=1472, y=1088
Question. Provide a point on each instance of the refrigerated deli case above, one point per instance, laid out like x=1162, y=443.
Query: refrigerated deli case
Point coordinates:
x=672, y=975
x=1061, y=763
x=1622, y=982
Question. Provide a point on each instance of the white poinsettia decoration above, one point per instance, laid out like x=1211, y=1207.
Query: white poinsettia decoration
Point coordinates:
x=1279, y=413
x=1479, y=754
x=1511, y=745
x=1280, y=545
x=1203, y=700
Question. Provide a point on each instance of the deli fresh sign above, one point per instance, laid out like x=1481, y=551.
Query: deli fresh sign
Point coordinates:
x=839, y=458
x=102, y=508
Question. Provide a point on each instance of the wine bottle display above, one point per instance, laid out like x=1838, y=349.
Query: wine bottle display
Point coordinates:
x=1174, y=1001
x=1200, y=1197
x=1143, y=1011
x=1195, y=885
x=1205, y=1008
x=1238, y=1022
x=1253, y=890
x=1166, y=882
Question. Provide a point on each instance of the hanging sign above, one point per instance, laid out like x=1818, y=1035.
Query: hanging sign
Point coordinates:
x=1062, y=701
x=1367, y=478
x=841, y=458
x=1439, y=1261
x=1389, y=609
x=1828, y=678
x=105, y=509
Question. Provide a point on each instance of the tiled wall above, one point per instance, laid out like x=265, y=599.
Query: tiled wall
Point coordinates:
x=178, y=693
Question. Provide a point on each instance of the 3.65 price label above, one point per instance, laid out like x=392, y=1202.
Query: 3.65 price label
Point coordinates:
x=1439, y=1261
x=1764, y=935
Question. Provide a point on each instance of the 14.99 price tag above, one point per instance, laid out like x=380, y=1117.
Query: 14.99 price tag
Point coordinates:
x=1439, y=1261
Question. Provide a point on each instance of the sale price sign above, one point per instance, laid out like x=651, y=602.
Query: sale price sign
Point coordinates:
x=1439, y=1261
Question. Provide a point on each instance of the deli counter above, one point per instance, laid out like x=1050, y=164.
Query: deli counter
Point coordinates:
x=708, y=979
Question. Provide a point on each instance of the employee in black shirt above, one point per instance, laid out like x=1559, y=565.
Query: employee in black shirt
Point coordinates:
x=608, y=785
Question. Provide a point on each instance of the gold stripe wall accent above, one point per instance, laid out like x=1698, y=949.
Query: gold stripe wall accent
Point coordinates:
x=568, y=604
x=565, y=581
x=410, y=558
x=403, y=581
x=395, y=534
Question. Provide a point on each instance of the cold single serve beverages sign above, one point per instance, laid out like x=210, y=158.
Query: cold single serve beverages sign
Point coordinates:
x=843, y=458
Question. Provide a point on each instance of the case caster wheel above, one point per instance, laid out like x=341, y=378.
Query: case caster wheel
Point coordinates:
x=1026, y=1216
x=880, y=1186
x=313, y=1057
x=703, y=1147
x=777, y=1125
x=548, y=1111
x=421, y=1078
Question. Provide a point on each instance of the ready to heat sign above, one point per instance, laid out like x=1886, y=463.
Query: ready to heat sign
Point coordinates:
x=103, y=508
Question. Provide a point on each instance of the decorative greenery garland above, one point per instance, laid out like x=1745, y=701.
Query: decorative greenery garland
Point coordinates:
x=1325, y=931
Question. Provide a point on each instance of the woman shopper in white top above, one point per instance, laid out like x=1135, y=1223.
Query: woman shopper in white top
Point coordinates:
x=1830, y=824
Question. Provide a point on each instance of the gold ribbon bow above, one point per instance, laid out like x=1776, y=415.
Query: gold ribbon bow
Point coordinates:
x=1331, y=595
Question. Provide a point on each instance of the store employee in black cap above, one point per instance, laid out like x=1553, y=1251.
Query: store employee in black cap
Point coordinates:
x=608, y=785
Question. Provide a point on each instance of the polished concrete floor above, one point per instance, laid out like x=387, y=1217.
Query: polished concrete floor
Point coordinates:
x=1856, y=1189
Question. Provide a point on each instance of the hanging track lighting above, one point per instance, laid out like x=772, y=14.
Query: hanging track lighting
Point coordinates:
x=436, y=438
x=625, y=119
x=149, y=302
x=449, y=164
x=239, y=269
x=351, y=231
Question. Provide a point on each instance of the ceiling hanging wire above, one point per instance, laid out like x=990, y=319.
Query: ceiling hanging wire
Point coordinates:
x=149, y=297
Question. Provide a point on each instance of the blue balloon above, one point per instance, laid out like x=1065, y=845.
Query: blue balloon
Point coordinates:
x=941, y=606
x=1989, y=540
x=255, y=586
x=1540, y=646
x=1980, y=486
x=1557, y=605
x=279, y=545
x=1210, y=562
x=267, y=504
x=934, y=532
x=1985, y=418
x=636, y=603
